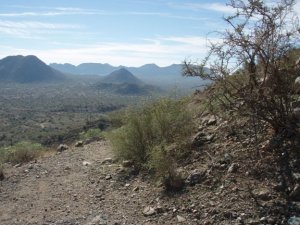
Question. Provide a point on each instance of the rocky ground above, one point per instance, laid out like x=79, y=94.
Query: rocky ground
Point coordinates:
x=226, y=183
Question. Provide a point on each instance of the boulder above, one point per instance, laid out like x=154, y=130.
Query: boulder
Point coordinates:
x=62, y=147
x=86, y=163
x=201, y=138
x=180, y=219
x=107, y=161
x=263, y=194
x=211, y=121
x=295, y=193
x=127, y=163
x=294, y=220
x=79, y=144
x=195, y=177
x=149, y=211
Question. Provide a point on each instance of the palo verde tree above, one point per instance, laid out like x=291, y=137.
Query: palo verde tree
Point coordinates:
x=253, y=67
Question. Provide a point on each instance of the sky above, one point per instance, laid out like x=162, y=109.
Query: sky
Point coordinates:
x=118, y=32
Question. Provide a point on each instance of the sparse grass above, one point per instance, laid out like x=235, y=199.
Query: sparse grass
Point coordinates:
x=148, y=133
x=21, y=152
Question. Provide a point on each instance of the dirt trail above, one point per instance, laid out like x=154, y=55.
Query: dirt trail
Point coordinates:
x=80, y=187
x=63, y=189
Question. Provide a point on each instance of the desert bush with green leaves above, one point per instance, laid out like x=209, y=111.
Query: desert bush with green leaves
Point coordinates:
x=21, y=152
x=93, y=133
x=154, y=136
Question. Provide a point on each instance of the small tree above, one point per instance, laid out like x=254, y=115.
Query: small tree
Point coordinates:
x=254, y=66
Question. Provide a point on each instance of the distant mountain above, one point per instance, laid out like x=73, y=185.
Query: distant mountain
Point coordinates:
x=165, y=77
x=148, y=70
x=27, y=69
x=121, y=76
x=85, y=68
x=123, y=82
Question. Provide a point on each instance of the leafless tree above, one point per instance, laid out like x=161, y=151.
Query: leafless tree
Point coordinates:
x=253, y=68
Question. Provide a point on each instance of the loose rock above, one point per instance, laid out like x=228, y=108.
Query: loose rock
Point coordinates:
x=233, y=168
x=262, y=194
x=108, y=177
x=86, y=163
x=107, y=161
x=98, y=220
x=62, y=147
x=294, y=220
x=79, y=144
x=295, y=194
x=195, y=177
x=149, y=211
x=211, y=121
x=180, y=219
x=127, y=163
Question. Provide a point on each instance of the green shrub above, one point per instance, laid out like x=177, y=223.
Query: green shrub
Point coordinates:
x=21, y=152
x=148, y=133
x=164, y=168
x=94, y=133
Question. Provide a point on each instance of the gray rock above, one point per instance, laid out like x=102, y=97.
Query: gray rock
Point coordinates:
x=262, y=194
x=30, y=166
x=195, y=177
x=79, y=144
x=98, y=220
x=107, y=161
x=127, y=163
x=295, y=194
x=108, y=177
x=211, y=121
x=149, y=211
x=136, y=189
x=18, y=165
x=296, y=177
x=201, y=138
x=233, y=168
x=180, y=219
x=86, y=163
x=294, y=220
x=62, y=147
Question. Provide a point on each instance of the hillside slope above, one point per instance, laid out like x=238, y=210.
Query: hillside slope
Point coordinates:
x=226, y=183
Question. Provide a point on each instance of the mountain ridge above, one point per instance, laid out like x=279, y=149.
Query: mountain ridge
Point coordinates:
x=105, y=68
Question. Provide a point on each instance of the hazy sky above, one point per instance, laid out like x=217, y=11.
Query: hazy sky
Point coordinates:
x=118, y=32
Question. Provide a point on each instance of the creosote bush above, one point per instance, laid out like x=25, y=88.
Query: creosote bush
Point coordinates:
x=93, y=133
x=149, y=133
x=21, y=152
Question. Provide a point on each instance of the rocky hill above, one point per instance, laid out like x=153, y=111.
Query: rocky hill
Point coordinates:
x=121, y=76
x=27, y=69
x=124, y=82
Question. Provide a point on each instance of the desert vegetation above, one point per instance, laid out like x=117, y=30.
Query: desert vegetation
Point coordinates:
x=53, y=113
x=21, y=152
x=154, y=137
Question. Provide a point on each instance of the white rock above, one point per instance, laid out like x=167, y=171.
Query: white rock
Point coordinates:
x=86, y=163
x=180, y=219
x=149, y=211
